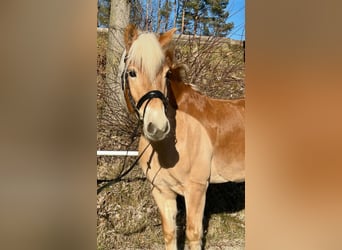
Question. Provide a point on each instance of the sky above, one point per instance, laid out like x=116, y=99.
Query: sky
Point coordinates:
x=236, y=10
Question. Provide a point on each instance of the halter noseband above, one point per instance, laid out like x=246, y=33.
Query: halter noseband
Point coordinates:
x=147, y=97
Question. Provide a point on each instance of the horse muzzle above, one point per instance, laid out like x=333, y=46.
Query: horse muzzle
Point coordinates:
x=156, y=125
x=155, y=133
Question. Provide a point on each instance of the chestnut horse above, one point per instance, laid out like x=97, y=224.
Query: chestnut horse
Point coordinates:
x=188, y=140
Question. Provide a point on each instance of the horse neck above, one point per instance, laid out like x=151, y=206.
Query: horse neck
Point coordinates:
x=186, y=99
x=206, y=110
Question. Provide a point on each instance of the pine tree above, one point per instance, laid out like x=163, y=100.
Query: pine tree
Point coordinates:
x=204, y=17
x=216, y=21
x=193, y=12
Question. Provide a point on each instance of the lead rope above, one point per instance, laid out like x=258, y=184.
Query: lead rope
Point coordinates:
x=113, y=181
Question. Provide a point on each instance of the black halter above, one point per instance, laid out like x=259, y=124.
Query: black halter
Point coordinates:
x=147, y=97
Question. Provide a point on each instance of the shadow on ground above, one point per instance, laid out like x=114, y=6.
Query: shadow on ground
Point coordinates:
x=221, y=198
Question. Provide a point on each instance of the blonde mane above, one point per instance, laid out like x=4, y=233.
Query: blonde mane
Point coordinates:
x=146, y=54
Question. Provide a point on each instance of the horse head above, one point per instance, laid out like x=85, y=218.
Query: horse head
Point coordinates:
x=144, y=80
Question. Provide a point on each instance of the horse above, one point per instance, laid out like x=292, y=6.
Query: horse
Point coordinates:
x=188, y=139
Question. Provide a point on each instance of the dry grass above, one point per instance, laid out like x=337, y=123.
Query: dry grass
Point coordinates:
x=127, y=214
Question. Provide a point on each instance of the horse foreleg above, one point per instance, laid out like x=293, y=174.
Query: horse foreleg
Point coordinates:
x=167, y=205
x=195, y=202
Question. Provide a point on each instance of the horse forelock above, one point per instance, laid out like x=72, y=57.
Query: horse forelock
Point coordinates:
x=147, y=55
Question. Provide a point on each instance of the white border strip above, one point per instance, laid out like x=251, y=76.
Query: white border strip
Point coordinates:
x=117, y=153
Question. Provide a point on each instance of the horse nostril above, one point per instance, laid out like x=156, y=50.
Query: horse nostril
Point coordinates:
x=151, y=128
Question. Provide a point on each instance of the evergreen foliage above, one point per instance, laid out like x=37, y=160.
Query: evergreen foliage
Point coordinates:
x=205, y=17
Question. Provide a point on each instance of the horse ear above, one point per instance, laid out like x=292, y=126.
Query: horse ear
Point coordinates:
x=130, y=35
x=169, y=55
x=166, y=37
x=179, y=72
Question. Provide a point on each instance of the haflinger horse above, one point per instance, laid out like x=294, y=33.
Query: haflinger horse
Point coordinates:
x=188, y=139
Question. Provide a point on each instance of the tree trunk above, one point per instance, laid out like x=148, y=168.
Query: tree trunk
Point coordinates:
x=175, y=11
x=167, y=15
x=119, y=19
x=195, y=18
x=148, y=13
x=183, y=16
x=159, y=18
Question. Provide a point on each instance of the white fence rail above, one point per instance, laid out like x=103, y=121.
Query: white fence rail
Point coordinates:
x=116, y=153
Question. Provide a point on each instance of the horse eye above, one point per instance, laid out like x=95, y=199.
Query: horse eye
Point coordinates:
x=168, y=74
x=132, y=73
